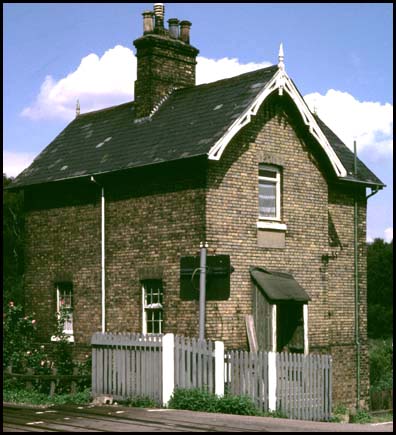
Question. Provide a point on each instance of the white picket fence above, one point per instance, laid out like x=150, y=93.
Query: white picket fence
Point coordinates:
x=246, y=374
x=127, y=365
x=304, y=386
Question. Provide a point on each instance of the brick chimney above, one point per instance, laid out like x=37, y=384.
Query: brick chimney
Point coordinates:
x=165, y=59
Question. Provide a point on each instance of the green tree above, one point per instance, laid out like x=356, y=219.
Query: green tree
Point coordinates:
x=13, y=244
x=380, y=288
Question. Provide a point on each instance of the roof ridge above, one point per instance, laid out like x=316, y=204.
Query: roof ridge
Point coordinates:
x=104, y=109
x=275, y=67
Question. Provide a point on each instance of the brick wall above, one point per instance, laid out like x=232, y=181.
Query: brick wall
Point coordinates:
x=63, y=244
x=342, y=343
x=150, y=222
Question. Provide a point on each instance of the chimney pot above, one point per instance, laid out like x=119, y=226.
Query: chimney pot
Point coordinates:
x=185, y=31
x=159, y=12
x=173, y=28
x=159, y=9
x=148, y=21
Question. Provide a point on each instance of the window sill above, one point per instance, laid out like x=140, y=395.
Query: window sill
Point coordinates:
x=270, y=225
x=70, y=338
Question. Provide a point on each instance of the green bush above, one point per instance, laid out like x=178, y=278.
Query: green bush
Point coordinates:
x=381, y=364
x=22, y=351
x=361, y=416
x=199, y=400
x=240, y=405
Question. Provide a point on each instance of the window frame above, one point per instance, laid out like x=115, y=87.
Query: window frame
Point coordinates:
x=159, y=306
x=69, y=331
x=277, y=181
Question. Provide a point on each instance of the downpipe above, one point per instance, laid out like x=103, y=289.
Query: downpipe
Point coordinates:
x=102, y=254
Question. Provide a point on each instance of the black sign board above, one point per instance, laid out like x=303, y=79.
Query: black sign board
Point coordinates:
x=217, y=277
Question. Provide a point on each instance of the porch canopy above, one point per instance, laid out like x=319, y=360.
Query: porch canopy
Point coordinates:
x=278, y=286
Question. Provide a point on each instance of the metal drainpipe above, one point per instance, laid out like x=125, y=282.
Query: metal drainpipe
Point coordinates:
x=103, y=254
x=202, y=291
x=357, y=341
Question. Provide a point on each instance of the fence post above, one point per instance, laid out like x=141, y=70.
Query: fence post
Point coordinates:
x=53, y=382
x=272, y=381
x=73, y=385
x=168, y=367
x=219, y=368
x=29, y=384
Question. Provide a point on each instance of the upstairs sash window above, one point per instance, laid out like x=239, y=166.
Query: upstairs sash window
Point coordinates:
x=64, y=305
x=269, y=192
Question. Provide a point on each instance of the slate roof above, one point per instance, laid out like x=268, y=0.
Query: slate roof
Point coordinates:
x=187, y=124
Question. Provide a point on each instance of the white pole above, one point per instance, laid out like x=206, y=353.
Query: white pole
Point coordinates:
x=305, y=315
x=272, y=379
x=168, y=367
x=103, y=264
x=273, y=318
x=219, y=368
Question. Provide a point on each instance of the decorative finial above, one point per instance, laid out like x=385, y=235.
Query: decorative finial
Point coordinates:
x=281, y=57
x=77, y=108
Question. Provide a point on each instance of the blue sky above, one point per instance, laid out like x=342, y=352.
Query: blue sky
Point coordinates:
x=340, y=57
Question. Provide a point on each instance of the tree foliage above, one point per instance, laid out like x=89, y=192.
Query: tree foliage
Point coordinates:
x=13, y=244
x=380, y=288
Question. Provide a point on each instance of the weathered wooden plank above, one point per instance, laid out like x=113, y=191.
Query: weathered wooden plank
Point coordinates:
x=113, y=366
x=105, y=370
x=94, y=372
x=183, y=364
x=177, y=361
x=211, y=368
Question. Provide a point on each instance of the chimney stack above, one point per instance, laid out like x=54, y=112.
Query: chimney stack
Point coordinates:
x=165, y=59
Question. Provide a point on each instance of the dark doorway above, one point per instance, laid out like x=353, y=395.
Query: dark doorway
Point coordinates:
x=290, y=327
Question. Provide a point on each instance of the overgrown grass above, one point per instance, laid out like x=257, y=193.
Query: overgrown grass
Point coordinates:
x=139, y=402
x=33, y=397
x=380, y=418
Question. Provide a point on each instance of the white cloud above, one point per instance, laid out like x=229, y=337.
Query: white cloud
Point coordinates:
x=369, y=123
x=97, y=83
x=210, y=70
x=388, y=234
x=100, y=82
x=14, y=162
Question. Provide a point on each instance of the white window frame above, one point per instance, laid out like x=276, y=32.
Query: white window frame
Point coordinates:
x=277, y=181
x=68, y=328
x=146, y=306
